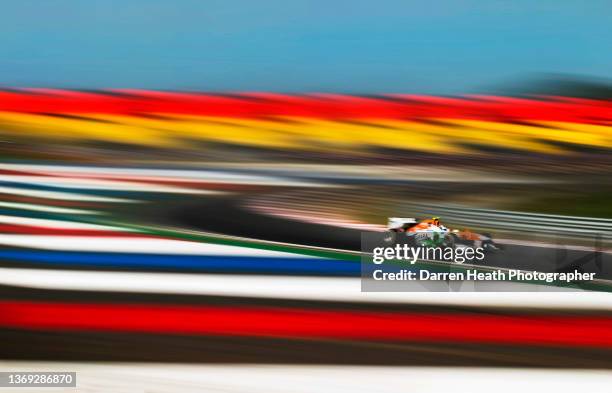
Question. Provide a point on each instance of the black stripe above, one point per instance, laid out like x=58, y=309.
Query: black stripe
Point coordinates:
x=13, y=293
x=138, y=347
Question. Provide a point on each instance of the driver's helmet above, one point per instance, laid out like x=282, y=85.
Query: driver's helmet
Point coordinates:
x=435, y=221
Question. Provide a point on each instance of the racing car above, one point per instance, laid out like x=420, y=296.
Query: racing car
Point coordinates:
x=431, y=233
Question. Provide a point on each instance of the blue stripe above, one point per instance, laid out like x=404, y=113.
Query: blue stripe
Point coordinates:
x=212, y=263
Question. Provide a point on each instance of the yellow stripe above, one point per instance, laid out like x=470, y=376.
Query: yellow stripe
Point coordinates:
x=575, y=133
x=445, y=136
x=27, y=125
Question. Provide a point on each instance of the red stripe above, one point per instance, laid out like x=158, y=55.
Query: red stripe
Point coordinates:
x=34, y=230
x=10, y=172
x=591, y=331
x=256, y=105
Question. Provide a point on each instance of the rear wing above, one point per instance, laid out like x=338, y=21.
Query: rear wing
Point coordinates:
x=399, y=222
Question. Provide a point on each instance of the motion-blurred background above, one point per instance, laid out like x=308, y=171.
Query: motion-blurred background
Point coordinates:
x=183, y=186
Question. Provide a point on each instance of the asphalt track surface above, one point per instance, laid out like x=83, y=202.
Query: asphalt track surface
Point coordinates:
x=230, y=216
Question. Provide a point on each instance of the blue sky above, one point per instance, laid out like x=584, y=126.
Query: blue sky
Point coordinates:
x=436, y=46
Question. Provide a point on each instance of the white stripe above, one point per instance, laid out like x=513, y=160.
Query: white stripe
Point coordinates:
x=202, y=175
x=57, y=224
x=68, y=196
x=551, y=245
x=137, y=245
x=303, y=288
x=249, y=378
x=95, y=184
x=43, y=208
